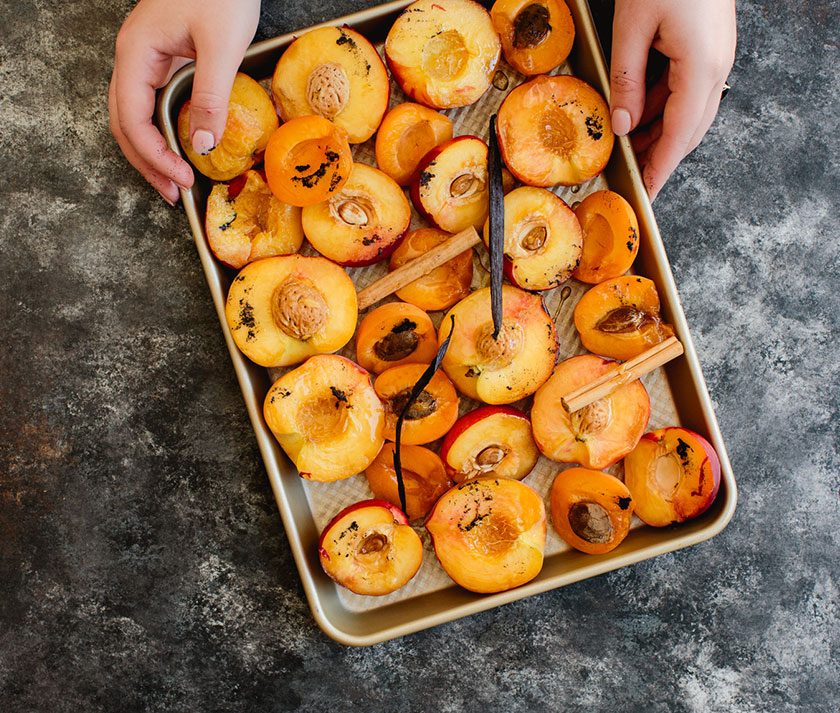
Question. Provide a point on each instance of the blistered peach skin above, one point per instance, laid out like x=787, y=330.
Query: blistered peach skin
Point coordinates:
x=407, y=133
x=393, y=334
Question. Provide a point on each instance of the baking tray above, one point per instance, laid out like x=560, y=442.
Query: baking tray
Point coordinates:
x=678, y=391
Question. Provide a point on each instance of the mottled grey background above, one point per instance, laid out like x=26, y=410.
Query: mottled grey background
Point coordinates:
x=143, y=565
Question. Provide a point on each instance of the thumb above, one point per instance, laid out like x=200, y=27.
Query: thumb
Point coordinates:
x=632, y=39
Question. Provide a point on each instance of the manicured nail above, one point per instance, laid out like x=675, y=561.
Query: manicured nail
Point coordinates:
x=203, y=141
x=621, y=122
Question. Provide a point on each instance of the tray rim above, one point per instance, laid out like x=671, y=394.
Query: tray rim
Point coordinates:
x=727, y=499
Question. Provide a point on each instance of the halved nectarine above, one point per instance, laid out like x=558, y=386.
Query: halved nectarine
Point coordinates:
x=281, y=310
x=510, y=367
x=450, y=186
x=307, y=160
x=370, y=548
x=590, y=510
x=492, y=440
x=432, y=413
x=362, y=222
x=537, y=35
x=336, y=73
x=610, y=236
x=393, y=334
x=327, y=417
x=443, y=52
x=489, y=534
x=250, y=121
x=245, y=222
x=620, y=318
x=407, y=133
x=674, y=475
x=424, y=477
x=555, y=130
x=597, y=435
x=543, y=240
x=443, y=286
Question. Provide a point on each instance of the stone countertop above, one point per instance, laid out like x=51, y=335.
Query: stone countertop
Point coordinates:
x=143, y=565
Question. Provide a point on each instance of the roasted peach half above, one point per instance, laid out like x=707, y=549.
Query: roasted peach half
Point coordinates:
x=510, y=367
x=424, y=477
x=443, y=52
x=590, y=510
x=443, y=286
x=555, y=130
x=536, y=36
x=307, y=160
x=245, y=222
x=433, y=411
x=610, y=237
x=370, y=548
x=327, y=417
x=597, y=435
x=489, y=534
x=490, y=441
x=281, y=310
x=362, y=223
x=674, y=475
x=407, y=133
x=619, y=318
x=393, y=334
x=250, y=121
x=336, y=73
x=543, y=239
x=450, y=187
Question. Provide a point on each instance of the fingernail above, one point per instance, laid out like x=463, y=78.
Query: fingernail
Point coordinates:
x=621, y=122
x=203, y=141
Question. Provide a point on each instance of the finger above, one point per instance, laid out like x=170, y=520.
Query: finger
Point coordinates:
x=712, y=106
x=632, y=38
x=642, y=139
x=655, y=100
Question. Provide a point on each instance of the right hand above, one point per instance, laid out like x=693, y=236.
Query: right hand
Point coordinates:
x=156, y=39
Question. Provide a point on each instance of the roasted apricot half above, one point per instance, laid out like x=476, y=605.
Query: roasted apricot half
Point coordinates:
x=307, y=160
x=443, y=52
x=327, y=417
x=619, y=318
x=590, y=510
x=597, y=435
x=450, y=187
x=370, y=548
x=489, y=534
x=393, y=334
x=433, y=411
x=543, y=240
x=490, y=441
x=245, y=222
x=362, y=222
x=513, y=365
x=555, y=130
x=443, y=286
x=250, y=122
x=336, y=73
x=407, y=133
x=424, y=477
x=537, y=36
x=674, y=475
x=281, y=310
x=610, y=237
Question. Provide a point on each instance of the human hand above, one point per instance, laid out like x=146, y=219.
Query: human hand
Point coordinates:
x=156, y=39
x=699, y=40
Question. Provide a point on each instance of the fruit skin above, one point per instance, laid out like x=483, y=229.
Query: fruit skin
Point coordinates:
x=250, y=122
x=348, y=557
x=326, y=417
x=443, y=53
x=387, y=320
x=580, y=486
x=489, y=534
x=695, y=464
x=610, y=237
x=555, y=130
x=362, y=98
x=549, y=53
